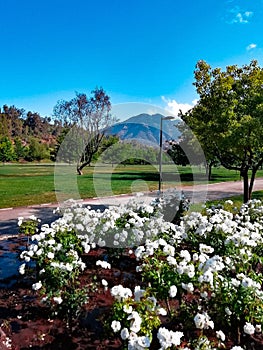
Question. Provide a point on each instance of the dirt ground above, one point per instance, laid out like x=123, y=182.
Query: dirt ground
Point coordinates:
x=25, y=323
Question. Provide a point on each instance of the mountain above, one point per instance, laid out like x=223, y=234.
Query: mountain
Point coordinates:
x=145, y=128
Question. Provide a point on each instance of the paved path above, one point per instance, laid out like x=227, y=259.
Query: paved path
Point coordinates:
x=197, y=193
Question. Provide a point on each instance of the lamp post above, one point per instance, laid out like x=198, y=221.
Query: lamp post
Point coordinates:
x=161, y=151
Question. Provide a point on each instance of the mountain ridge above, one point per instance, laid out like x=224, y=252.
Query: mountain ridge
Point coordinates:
x=145, y=128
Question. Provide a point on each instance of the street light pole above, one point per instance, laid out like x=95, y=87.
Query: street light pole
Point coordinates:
x=161, y=152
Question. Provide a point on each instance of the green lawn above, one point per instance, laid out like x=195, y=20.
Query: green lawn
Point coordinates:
x=237, y=201
x=27, y=184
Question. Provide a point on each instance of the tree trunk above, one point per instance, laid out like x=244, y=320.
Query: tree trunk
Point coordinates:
x=81, y=166
x=79, y=170
x=208, y=170
x=244, y=174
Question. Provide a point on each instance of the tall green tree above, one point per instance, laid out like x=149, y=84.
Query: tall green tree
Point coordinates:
x=6, y=150
x=19, y=149
x=228, y=118
x=37, y=150
x=177, y=154
x=87, y=118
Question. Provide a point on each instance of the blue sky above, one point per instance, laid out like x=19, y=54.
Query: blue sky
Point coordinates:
x=140, y=51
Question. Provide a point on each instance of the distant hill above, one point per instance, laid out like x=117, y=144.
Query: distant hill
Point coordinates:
x=145, y=128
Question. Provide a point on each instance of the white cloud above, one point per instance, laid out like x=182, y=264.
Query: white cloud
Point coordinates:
x=174, y=107
x=251, y=47
x=241, y=17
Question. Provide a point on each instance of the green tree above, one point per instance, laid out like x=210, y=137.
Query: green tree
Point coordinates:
x=67, y=155
x=177, y=154
x=107, y=142
x=19, y=149
x=6, y=150
x=87, y=119
x=36, y=150
x=228, y=118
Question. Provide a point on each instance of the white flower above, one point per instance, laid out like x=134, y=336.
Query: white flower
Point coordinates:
x=168, y=338
x=50, y=255
x=186, y=255
x=189, y=287
x=249, y=328
x=204, y=294
x=220, y=335
x=104, y=282
x=199, y=320
x=205, y=249
x=37, y=286
x=138, y=293
x=258, y=328
x=20, y=220
x=22, y=269
x=124, y=334
x=39, y=252
x=135, y=321
x=116, y=326
x=171, y=260
x=127, y=309
x=119, y=292
x=103, y=264
x=207, y=277
x=228, y=311
x=161, y=311
x=237, y=348
x=173, y=291
x=58, y=300
x=202, y=321
x=51, y=242
x=144, y=342
x=169, y=250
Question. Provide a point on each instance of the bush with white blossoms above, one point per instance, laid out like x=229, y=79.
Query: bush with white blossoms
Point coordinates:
x=135, y=316
x=123, y=226
x=56, y=252
x=200, y=276
x=57, y=248
x=212, y=267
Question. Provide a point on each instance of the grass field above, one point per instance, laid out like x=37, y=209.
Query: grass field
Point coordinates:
x=28, y=184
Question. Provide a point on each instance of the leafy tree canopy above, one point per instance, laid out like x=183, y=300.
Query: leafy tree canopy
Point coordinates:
x=228, y=118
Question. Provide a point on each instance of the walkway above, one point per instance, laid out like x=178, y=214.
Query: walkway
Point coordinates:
x=196, y=194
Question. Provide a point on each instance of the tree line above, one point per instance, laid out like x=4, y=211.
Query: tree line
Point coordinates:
x=75, y=135
x=26, y=136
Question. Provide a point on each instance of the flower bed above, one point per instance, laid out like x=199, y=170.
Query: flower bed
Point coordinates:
x=135, y=280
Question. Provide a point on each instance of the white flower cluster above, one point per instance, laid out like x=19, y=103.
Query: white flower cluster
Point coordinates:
x=48, y=247
x=203, y=321
x=209, y=254
x=167, y=338
x=135, y=318
x=119, y=226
